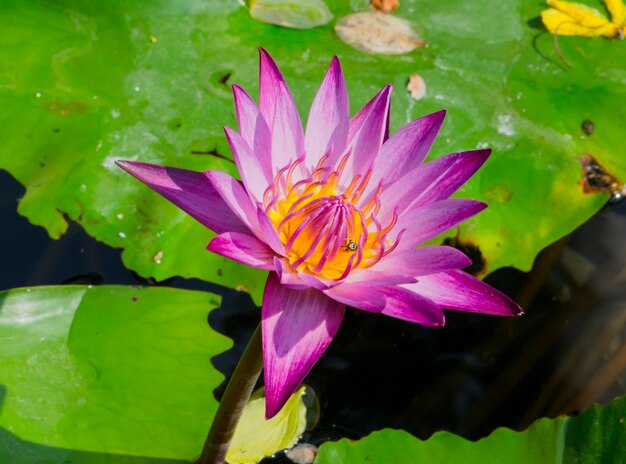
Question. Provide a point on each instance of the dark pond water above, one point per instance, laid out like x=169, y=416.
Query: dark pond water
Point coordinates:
x=474, y=375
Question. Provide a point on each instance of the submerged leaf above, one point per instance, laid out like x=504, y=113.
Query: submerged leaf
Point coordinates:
x=297, y=14
x=257, y=438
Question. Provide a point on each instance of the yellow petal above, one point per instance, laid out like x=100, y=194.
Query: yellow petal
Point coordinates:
x=256, y=438
x=567, y=18
x=618, y=12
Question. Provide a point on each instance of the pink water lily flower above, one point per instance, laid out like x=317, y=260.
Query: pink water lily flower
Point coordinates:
x=337, y=213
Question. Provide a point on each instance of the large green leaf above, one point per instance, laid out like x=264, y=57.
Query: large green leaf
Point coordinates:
x=106, y=371
x=85, y=83
x=597, y=436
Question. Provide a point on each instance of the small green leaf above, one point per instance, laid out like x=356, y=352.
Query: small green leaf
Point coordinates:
x=596, y=436
x=257, y=438
x=297, y=14
x=106, y=371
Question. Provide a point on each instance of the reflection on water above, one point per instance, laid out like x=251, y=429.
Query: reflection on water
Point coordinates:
x=477, y=373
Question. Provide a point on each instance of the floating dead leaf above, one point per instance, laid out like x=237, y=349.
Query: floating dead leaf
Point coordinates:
x=416, y=87
x=597, y=179
x=386, y=6
x=375, y=32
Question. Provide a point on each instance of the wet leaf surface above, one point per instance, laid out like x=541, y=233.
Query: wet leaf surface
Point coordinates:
x=106, y=374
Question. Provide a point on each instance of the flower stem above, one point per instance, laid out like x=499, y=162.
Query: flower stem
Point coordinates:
x=235, y=398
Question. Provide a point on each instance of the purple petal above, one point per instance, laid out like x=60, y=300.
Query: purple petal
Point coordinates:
x=366, y=142
x=270, y=236
x=329, y=117
x=380, y=276
x=243, y=248
x=248, y=165
x=423, y=260
x=459, y=290
x=358, y=120
x=428, y=221
x=406, y=149
x=434, y=181
x=235, y=197
x=254, y=129
x=279, y=110
x=393, y=301
x=362, y=295
x=189, y=190
x=287, y=276
x=298, y=326
x=298, y=280
x=409, y=306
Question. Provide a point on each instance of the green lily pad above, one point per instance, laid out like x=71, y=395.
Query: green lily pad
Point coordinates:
x=149, y=81
x=257, y=437
x=106, y=371
x=598, y=435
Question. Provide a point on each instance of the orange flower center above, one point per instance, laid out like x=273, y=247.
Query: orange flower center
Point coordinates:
x=321, y=225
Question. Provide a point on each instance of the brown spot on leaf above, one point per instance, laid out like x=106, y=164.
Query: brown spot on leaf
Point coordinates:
x=134, y=299
x=64, y=109
x=472, y=251
x=596, y=178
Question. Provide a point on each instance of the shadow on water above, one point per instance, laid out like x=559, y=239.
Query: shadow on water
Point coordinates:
x=475, y=374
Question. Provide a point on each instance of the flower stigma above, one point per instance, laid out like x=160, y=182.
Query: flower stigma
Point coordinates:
x=327, y=225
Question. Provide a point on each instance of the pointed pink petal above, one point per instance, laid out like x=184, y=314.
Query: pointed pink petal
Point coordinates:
x=409, y=306
x=428, y=221
x=406, y=149
x=459, y=290
x=298, y=326
x=423, y=260
x=358, y=120
x=248, y=165
x=279, y=110
x=243, y=248
x=367, y=141
x=382, y=276
x=393, y=301
x=270, y=236
x=433, y=181
x=327, y=125
x=189, y=190
x=295, y=279
x=287, y=276
x=235, y=197
x=254, y=130
x=361, y=295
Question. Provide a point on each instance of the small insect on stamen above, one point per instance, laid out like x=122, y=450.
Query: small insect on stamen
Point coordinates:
x=351, y=246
